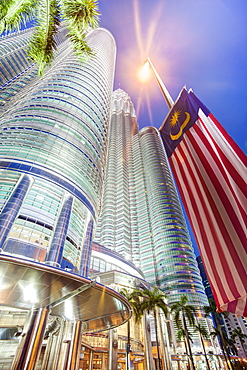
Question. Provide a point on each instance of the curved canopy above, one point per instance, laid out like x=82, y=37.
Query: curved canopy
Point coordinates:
x=27, y=285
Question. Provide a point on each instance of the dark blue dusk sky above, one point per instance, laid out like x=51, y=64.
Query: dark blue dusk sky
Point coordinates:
x=198, y=43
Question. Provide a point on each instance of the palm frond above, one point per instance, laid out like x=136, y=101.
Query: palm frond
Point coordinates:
x=163, y=306
x=15, y=12
x=42, y=45
x=79, y=44
x=152, y=299
x=177, y=319
x=203, y=331
x=238, y=333
x=175, y=306
x=211, y=308
x=4, y=6
x=136, y=304
x=81, y=14
x=126, y=293
x=215, y=333
x=181, y=334
x=189, y=312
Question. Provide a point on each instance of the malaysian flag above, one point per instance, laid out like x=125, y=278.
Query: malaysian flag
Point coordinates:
x=209, y=169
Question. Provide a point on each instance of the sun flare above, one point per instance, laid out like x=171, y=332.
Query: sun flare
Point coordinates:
x=144, y=73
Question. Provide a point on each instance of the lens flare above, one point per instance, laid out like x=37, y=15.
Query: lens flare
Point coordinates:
x=144, y=72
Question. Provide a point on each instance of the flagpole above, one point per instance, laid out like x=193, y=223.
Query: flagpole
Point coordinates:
x=165, y=92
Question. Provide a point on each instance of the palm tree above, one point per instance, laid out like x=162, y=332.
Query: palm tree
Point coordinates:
x=182, y=335
x=151, y=301
x=225, y=345
x=203, y=335
x=211, y=309
x=183, y=311
x=133, y=299
x=237, y=333
x=78, y=16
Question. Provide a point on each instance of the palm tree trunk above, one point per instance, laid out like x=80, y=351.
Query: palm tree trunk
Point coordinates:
x=188, y=343
x=226, y=356
x=228, y=353
x=128, y=347
x=186, y=351
x=222, y=344
x=204, y=351
x=149, y=360
x=157, y=340
x=242, y=344
x=164, y=339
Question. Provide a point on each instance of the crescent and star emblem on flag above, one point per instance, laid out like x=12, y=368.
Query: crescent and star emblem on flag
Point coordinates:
x=175, y=120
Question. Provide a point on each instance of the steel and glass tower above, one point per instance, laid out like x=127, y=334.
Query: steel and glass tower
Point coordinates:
x=53, y=143
x=141, y=216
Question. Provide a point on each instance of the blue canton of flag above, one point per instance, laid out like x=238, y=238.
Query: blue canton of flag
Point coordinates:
x=182, y=116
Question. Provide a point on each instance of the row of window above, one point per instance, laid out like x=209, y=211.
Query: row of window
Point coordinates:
x=84, y=176
x=37, y=137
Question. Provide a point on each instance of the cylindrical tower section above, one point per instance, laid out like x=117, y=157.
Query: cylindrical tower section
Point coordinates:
x=14, y=60
x=176, y=268
x=57, y=133
x=18, y=72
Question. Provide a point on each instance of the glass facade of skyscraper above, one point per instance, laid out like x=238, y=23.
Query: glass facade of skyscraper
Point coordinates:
x=53, y=143
x=141, y=216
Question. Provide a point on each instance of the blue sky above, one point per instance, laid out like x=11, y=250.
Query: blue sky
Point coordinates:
x=198, y=43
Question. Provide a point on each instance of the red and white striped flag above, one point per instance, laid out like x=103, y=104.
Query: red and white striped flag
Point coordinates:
x=210, y=172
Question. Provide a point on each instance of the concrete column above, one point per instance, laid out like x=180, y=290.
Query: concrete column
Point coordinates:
x=63, y=349
x=75, y=346
x=53, y=349
x=55, y=254
x=90, y=366
x=70, y=347
x=113, y=350
x=12, y=207
x=28, y=351
x=49, y=351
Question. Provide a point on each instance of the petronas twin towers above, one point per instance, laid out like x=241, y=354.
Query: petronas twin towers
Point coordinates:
x=75, y=168
x=141, y=216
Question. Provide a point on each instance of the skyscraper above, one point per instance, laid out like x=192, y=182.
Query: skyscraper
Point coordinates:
x=141, y=215
x=53, y=143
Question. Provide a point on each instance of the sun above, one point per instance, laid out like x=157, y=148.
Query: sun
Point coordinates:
x=175, y=117
x=144, y=73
